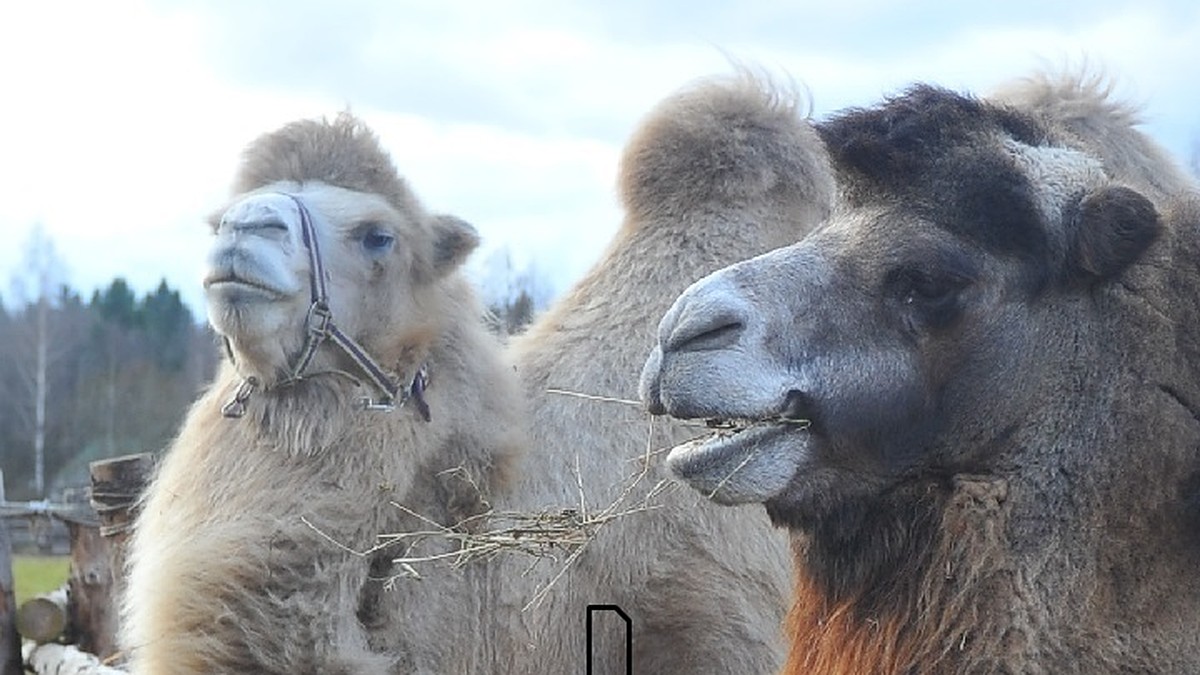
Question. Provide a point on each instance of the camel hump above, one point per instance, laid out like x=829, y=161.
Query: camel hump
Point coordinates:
x=1082, y=104
x=721, y=144
x=1073, y=98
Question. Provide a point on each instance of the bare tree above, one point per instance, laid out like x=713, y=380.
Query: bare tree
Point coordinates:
x=513, y=296
x=42, y=273
x=81, y=381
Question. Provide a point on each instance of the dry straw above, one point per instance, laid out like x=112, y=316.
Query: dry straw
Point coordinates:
x=559, y=535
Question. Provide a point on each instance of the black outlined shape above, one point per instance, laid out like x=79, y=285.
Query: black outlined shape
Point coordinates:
x=628, y=635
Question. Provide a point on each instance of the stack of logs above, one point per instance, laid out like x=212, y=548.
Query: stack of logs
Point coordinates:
x=73, y=629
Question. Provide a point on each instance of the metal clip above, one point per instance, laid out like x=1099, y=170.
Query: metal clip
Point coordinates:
x=416, y=393
x=237, y=406
x=382, y=405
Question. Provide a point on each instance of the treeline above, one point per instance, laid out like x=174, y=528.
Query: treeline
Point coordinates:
x=84, y=380
x=513, y=295
x=116, y=373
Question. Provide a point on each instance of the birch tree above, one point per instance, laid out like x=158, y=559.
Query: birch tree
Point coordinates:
x=42, y=273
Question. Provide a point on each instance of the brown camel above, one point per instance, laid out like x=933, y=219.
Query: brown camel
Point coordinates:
x=972, y=395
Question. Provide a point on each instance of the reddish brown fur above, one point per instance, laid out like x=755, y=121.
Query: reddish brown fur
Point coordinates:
x=829, y=639
x=938, y=624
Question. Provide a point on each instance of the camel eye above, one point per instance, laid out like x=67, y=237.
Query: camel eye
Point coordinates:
x=929, y=289
x=377, y=240
x=932, y=298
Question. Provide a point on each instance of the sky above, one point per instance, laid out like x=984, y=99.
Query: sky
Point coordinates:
x=121, y=121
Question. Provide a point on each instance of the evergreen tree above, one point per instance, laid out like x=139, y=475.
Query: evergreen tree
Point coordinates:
x=168, y=325
x=120, y=374
x=117, y=304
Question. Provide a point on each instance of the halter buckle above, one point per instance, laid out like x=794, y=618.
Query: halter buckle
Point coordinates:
x=319, y=322
x=386, y=405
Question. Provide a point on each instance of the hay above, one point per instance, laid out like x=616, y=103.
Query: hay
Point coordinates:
x=559, y=534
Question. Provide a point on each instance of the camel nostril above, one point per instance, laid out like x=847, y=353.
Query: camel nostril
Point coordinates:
x=797, y=407
x=267, y=227
x=716, y=334
x=719, y=337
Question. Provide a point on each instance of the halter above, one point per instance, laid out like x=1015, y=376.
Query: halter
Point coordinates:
x=319, y=328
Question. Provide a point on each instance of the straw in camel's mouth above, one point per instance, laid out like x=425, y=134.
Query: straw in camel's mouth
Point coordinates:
x=743, y=460
x=796, y=412
x=729, y=427
x=725, y=433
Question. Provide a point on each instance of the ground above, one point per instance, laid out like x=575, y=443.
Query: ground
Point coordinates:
x=36, y=574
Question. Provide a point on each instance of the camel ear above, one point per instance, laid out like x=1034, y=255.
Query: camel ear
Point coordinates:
x=453, y=240
x=1112, y=227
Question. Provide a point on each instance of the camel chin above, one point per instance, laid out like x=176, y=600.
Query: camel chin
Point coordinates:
x=743, y=464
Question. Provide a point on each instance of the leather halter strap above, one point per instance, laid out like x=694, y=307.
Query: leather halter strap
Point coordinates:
x=319, y=328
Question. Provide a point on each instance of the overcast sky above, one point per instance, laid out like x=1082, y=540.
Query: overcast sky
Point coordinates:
x=121, y=121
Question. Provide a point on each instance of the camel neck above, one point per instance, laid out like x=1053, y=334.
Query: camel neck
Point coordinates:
x=942, y=612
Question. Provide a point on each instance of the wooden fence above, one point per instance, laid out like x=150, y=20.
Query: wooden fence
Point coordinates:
x=74, y=628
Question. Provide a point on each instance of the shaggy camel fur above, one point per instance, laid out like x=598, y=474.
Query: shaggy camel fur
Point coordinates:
x=973, y=395
x=722, y=171
x=228, y=575
x=231, y=569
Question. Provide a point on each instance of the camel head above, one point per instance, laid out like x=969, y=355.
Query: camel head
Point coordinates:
x=383, y=257
x=912, y=335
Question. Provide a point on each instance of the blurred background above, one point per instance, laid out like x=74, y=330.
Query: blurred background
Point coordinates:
x=121, y=123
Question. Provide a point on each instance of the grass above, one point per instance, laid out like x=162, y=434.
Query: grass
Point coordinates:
x=36, y=574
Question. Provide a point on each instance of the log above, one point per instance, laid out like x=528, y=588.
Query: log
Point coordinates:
x=92, y=622
x=10, y=642
x=98, y=555
x=56, y=659
x=44, y=618
x=117, y=484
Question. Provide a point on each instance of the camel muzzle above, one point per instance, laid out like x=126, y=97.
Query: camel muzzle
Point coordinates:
x=320, y=328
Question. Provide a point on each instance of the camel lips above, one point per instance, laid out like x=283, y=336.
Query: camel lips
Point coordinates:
x=723, y=429
x=742, y=462
x=729, y=427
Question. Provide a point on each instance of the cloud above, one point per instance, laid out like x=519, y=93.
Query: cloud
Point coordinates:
x=122, y=121
x=528, y=66
x=549, y=199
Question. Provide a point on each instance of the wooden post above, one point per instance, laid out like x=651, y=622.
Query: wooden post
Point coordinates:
x=98, y=566
x=10, y=642
x=117, y=484
x=92, y=620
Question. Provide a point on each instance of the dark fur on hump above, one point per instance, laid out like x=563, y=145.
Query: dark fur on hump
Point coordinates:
x=341, y=152
x=936, y=152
